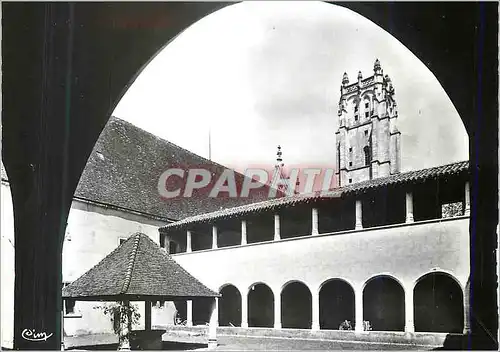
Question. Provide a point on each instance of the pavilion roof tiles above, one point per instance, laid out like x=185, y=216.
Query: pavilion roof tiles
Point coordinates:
x=410, y=177
x=136, y=270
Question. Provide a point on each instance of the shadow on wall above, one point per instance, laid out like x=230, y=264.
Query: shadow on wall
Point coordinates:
x=457, y=342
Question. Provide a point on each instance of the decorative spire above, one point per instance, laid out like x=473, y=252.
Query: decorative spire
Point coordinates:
x=376, y=66
x=279, y=159
x=345, y=79
x=360, y=75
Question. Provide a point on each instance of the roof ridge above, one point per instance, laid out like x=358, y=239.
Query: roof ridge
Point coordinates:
x=203, y=159
x=133, y=254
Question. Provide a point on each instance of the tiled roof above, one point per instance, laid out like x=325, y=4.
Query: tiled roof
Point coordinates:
x=126, y=163
x=135, y=270
x=356, y=188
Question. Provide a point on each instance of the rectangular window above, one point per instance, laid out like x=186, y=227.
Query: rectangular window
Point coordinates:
x=366, y=133
x=350, y=180
x=350, y=163
x=367, y=105
x=356, y=108
x=356, y=118
x=350, y=150
x=69, y=306
x=367, y=114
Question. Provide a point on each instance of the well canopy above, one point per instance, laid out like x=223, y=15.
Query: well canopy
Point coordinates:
x=137, y=270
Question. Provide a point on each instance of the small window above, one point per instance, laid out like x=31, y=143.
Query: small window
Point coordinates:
x=356, y=118
x=366, y=133
x=122, y=240
x=350, y=150
x=69, y=306
x=356, y=108
x=350, y=180
x=367, y=105
x=367, y=114
x=350, y=163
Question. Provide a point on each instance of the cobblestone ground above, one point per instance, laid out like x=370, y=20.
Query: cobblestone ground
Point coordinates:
x=237, y=343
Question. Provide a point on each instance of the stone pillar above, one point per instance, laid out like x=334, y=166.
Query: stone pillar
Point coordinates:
x=467, y=198
x=189, y=313
x=277, y=310
x=244, y=308
x=277, y=227
x=358, y=311
x=467, y=323
x=409, y=325
x=214, y=237
x=315, y=221
x=243, y=232
x=359, y=215
x=147, y=315
x=315, y=311
x=214, y=322
x=188, y=242
x=409, y=207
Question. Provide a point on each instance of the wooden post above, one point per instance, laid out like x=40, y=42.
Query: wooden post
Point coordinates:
x=214, y=321
x=409, y=207
x=214, y=237
x=147, y=315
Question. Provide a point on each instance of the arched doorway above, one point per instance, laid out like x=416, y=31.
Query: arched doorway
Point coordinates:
x=336, y=304
x=296, y=306
x=438, y=304
x=230, y=306
x=384, y=304
x=260, y=306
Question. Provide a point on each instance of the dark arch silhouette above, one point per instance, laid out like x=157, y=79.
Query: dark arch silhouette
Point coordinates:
x=230, y=306
x=336, y=304
x=107, y=59
x=384, y=304
x=260, y=306
x=438, y=304
x=296, y=306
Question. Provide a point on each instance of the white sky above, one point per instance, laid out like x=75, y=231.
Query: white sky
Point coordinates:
x=268, y=73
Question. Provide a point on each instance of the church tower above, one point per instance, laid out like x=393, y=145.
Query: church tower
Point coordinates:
x=368, y=140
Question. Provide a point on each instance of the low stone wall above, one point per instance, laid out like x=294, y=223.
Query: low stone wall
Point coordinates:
x=379, y=337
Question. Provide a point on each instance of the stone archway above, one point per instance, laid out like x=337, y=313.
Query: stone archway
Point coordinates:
x=384, y=304
x=260, y=306
x=336, y=304
x=296, y=306
x=230, y=306
x=438, y=304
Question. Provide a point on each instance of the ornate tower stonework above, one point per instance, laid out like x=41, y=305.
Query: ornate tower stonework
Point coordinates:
x=368, y=140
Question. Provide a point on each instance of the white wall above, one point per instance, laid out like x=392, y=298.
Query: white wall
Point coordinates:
x=404, y=251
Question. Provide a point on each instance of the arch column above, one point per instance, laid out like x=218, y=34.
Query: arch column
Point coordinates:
x=467, y=198
x=358, y=299
x=409, y=309
x=315, y=310
x=244, y=308
x=467, y=324
x=277, y=310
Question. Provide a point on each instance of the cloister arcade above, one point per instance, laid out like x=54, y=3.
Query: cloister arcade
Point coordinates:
x=435, y=304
